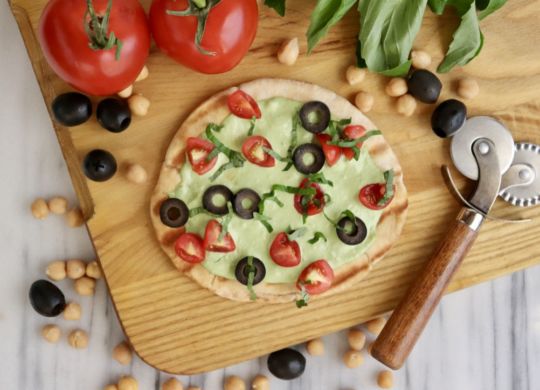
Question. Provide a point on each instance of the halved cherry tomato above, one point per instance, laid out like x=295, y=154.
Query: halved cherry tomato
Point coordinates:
x=253, y=150
x=212, y=242
x=316, y=278
x=315, y=204
x=371, y=195
x=332, y=153
x=285, y=252
x=197, y=151
x=189, y=247
x=243, y=106
x=350, y=133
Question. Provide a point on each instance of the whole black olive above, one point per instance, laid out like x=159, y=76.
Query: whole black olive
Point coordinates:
x=114, y=115
x=72, y=109
x=424, y=86
x=174, y=213
x=99, y=165
x=216, y=198
x=46, y=298
x=315, y=116
x=243, y=269
x=351, y=232
x=448, y=118
x=308, y=158
x=286, y=364
x=246, y=203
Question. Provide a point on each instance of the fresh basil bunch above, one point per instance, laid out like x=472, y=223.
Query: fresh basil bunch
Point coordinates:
x=389, y=27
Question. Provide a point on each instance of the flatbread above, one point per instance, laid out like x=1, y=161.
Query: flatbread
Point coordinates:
x=216, y=110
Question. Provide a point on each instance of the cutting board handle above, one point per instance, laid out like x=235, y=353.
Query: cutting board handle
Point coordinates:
x=412, y=314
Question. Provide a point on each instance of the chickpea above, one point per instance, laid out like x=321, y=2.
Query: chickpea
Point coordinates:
x=357, y=339
x=315, y=347
x=396, y=87
x=75, y=268
x=128, y=383
x=364, y=101
x=172, y=384
x=420, y=59
x=139, y=105
x=56, y=270
x=260, y=382
x=406, y=105
x=122, y=353
x=85, y=286
x=353, y=359
x=92, y=270
x=51, y=333
x=288, y=52
x=355, y=75
x=58, y=205
x=376, y=325
x=72, y=312
x=39, y=208
x=143, y=75
x=78, y=339
x=468, y=88
x=385, y=379
x=74, y=218
x=111, y=387
x=135, y=173
x=234, y=383
x=127, y=92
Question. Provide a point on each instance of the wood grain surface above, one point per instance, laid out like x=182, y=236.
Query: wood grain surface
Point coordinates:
x=178, y=327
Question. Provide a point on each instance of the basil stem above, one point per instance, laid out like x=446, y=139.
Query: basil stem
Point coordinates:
x=252, y=126
x=316, y=237
x=264, y=221
x=389, y=189
x=251, y=278
x=275, y=154
x=354, y=142
x=225, y=223
x=294, y=142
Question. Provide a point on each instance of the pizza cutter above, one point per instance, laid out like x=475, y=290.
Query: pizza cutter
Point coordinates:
x=484, y=151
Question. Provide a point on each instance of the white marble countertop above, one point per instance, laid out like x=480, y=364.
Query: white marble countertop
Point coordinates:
x=483, y=338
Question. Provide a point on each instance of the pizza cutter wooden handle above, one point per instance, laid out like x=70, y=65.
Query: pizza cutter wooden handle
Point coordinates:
x=412, y=314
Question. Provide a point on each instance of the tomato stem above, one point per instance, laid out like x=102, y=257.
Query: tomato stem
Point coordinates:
x=97, y=29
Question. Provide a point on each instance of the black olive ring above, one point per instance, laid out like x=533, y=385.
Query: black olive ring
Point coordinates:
x=243, y=269
x=354, y=236
x=209, y=198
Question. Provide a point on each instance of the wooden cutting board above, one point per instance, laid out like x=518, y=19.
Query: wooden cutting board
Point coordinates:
x=179, y=327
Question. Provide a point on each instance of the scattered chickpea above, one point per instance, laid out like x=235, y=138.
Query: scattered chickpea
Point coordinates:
x=234, y=383
x=355, y=75
x=315, y=347
x=111, y=387
x=136, y=173
x=143, y=75
x=406, y=105
x=128, y=383
x=78, y=339
x=92, y=270
x=51, y=333
x=122, y=354
x=364, y=101
x=468, y=88
x=376, y=325
x=75, y=268
x=85, y=286
x=58, y=205
x=172, y=384
x=353, y=359
x=72, y=312
x=56, y=270
x=260, y=382
x=127, y=92
x=74, y=218
x=420, y=59
x=288, y=52
x=39, y=208
x=357, y=339
x=396, y=87
x=385, y=379
x=139, y=105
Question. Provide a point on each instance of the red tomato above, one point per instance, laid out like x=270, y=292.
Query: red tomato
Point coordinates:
x=285, y=252
x=189, y=247
x=198, y=150
x=371, y=195
x=316, y=278
x=315, y=204
x=243, y=106
x=212, y=242
x=230, y=30
x=352, y=132
x=65, y=44
x=253, y=150
x=332, y=153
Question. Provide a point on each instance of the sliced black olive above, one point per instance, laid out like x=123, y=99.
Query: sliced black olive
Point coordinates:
x=308, y=158
x=351, y=232
x=246, y=203
x=114, y=115
x=215, y=199
x=174, y=213
x=286, y=364
x=424, y=85
x=448, y=118
x=46, y=298
x=315, y=116
x=99, y=165
x=243, y=269
x=72, y=109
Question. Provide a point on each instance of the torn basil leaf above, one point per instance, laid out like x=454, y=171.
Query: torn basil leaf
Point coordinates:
x=277, y=5
x=316, y=237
